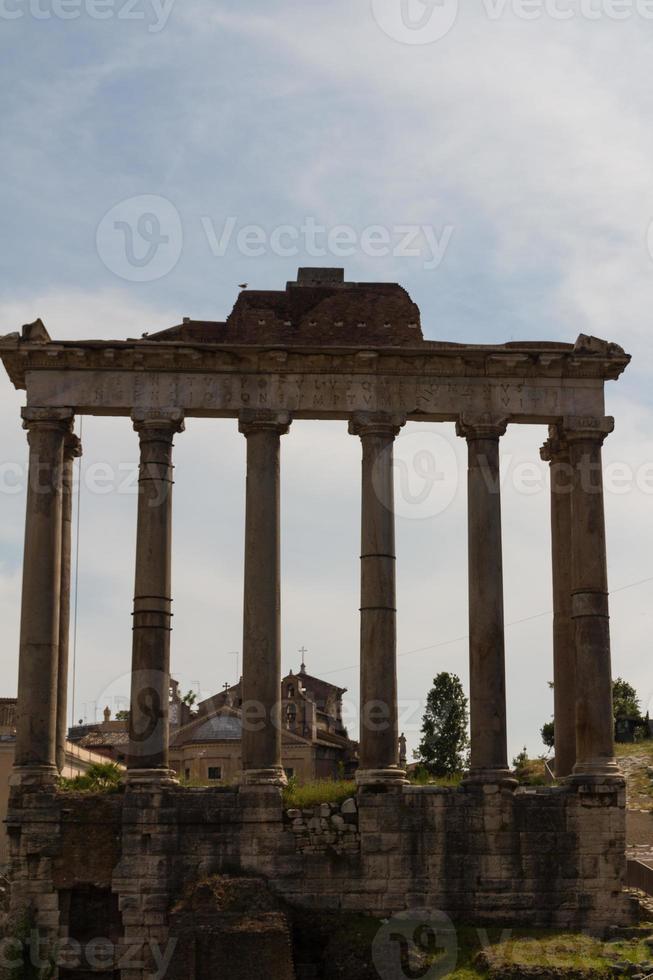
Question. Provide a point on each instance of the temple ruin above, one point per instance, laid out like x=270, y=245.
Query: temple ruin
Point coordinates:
x=323, y=348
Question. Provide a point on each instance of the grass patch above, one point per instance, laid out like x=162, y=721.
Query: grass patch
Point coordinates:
x=531, y=772
x=101, y=777
x=448, y=781
x=296, y=796
x=636, y=758
x=483, y=954
x=564, y=954
x=420, y=776
x=643, y=750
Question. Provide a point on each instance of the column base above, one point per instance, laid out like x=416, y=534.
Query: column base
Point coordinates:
x=274, y=776
x=150, y=778
x=381, y=777
x=490, y=777
x=34, y=776
x=596, y=771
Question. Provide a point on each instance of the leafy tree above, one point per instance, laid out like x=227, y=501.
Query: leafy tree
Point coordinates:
x=626, y=705
x=548, y=734
x=189, y=698
x=443, y=750
x=626, y=702
x=520, y=761
x=122, y=715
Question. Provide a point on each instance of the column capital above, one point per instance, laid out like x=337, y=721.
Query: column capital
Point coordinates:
x=481, y=426
x=47, y=418
x=169, y=420
x=556, y=447
x=580, y=428
x=72, y=447
x=376, y=424
x=252, y=420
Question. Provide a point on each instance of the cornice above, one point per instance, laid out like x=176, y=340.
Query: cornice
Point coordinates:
x=602, y=361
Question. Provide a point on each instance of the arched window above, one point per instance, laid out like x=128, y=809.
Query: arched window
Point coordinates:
x=291, y=691
x=291, y=715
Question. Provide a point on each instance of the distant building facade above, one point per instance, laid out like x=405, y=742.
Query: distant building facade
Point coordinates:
x=315, y=742
x=205, y=742
x=108, y=738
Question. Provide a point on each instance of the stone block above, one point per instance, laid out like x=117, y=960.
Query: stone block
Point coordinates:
x=47, y=902
x=48, y=919
x=380, y=843
x=376, y=866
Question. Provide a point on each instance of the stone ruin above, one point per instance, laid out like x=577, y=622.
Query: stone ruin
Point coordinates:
x=488, y=851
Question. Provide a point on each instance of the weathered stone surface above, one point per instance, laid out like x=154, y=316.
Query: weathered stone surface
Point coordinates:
x=232, y=924
x=485, y=853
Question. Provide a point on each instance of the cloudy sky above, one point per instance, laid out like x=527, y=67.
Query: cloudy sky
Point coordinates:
x=157, y=153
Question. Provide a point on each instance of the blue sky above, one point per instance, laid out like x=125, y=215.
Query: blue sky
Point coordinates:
x=523, y=145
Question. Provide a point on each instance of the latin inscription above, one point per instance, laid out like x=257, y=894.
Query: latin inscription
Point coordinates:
x=310, y=394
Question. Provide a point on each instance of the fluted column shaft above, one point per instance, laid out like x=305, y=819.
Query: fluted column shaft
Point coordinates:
x=379, y=733
x=35, y=758
x=72, y=449
x=150, y=690
x=589, y=599
x=489, y=748
x=261, y=740
x=556, y=452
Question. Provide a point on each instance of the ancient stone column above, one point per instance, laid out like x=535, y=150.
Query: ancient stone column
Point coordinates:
x=589, y=600
x=36, y=737
x=489, y=749
x=556, y=452
x=150, y=691
x=379, y=732
x=261, y=714
x=72, y=449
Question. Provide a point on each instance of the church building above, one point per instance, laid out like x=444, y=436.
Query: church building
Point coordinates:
x=315, y=742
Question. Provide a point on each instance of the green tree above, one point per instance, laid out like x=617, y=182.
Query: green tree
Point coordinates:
x=548, y=734
x=122, y=715
x=443, y=750
x=626, y=702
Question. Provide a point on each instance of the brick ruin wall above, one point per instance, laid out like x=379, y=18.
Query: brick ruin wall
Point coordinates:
x=551, y=857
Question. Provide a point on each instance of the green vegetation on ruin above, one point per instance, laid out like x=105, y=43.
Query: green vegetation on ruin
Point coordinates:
x=490, y=954
x=101, y=777
x=637, y=759
x=420, y=777
x=297, y=796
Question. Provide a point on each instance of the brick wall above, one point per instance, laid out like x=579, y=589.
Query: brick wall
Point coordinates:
x=552, y=857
